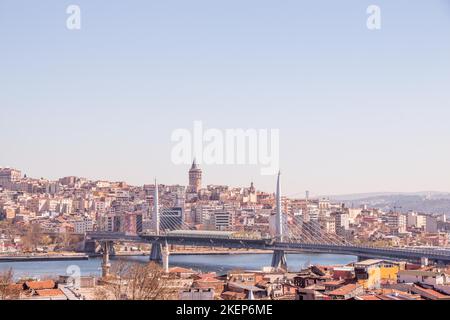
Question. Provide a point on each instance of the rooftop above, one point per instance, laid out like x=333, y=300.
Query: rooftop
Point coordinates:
x=344, y=290
x=245, y=286
x=368, y=297
x=419, y=273
x=40, y=285
x=430, y=293
x=368, y=262
x=181, y=270
x=49, y=292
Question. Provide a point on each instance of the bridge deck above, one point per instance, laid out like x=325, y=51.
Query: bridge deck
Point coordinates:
x=270, y=244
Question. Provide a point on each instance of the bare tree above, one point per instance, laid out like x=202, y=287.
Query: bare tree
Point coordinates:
x=101, y=294
x=136, y=281
x=148, y=282
x=116, y=283
x=7, y=290
x=32, y=237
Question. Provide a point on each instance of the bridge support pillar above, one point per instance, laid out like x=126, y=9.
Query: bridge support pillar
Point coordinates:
x=156, y=252
x=90, y=246
x=279, y=260
x=106, y=265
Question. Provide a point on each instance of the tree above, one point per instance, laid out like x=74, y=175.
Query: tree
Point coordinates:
x=67, y=241
x=101, y=294
x=148, y=282
x=136, y=281
x=46, y=240
x=7, y=290
x=116, y=283
x=33, y=237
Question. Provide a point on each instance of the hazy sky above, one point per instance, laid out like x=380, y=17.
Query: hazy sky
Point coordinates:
x=358, y=110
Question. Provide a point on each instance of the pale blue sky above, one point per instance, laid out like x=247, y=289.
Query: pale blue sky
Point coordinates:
x=358, y=110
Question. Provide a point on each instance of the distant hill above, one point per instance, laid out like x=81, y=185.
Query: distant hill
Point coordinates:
x=427, y=201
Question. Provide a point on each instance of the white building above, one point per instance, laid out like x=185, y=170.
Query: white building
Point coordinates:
x=8, y=175
x=83, y=226
x=223, y=220
x=342, y=222
x=397, y=222
x=411, y=219
x=197, y=294
x=421, y=221
x=425, y=277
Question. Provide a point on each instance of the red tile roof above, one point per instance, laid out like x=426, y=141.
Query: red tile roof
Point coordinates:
x=430, y=292
x=368, y=297
x=204, y=280
x=39, y=285
x=49, y=293
x=349, y=288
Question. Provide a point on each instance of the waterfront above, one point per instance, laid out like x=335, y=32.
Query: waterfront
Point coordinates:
x=205, y=263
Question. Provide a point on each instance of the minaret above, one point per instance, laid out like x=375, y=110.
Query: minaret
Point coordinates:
x=156, y=209
x=165, y=258
x=106, y=266
x=279, y=214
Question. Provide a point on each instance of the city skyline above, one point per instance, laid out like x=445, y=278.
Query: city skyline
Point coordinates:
x=78, y=219
x=187, y=183
x=245, y=153
x=358, y=110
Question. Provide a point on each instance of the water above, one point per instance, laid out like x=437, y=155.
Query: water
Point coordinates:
x=206, y=263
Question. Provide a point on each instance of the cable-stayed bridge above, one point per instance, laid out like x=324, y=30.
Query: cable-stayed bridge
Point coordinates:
x=169, y=228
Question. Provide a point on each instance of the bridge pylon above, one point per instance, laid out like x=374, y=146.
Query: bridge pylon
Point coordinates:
x=279, y=257
x=279, y=261
x=156, y=252
x=279, y=212
x=156, y=213
x=106, y=265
